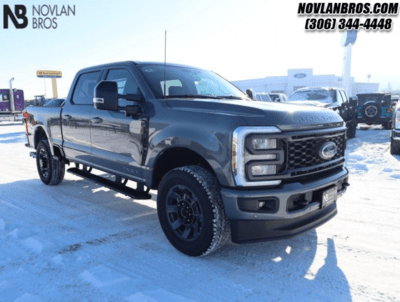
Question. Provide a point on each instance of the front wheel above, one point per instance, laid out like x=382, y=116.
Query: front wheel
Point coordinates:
x=51, y=170
x=191, y=211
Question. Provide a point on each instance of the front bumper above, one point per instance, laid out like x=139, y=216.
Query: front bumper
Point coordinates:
x=286, y=220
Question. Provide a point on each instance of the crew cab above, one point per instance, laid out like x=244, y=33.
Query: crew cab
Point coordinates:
x=225, y=167
x=331, y=98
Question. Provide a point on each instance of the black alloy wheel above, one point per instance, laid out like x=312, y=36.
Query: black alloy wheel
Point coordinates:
x=51, y=169
x=191, y=211
x=184, y=213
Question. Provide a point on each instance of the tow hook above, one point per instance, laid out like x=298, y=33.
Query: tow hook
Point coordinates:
x=32, y=154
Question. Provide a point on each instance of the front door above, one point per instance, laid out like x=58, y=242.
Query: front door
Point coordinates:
x=116, y=139
x=75, y=118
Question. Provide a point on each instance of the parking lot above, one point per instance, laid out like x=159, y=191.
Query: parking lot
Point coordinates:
x=79, y=241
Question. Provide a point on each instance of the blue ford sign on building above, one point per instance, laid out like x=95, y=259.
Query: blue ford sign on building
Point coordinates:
x=300, y=75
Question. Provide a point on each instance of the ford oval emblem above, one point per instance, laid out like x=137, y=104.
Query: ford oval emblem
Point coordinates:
x=328, y=150
x=300, y=75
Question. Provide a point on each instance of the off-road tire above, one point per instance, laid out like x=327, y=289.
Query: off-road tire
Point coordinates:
x=370, y=107
x=53, y=172
x=393, y=149
x=203, y=187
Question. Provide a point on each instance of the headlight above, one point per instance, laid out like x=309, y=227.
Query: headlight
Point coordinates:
x=259, y=170
x=263, y=143
x=255, y=156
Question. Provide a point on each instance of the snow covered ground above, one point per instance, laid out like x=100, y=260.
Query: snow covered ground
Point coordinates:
x=81, y=242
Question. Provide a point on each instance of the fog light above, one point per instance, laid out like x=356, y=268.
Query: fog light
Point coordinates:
x=263, y=143
x=261, y=204
x=263, y=170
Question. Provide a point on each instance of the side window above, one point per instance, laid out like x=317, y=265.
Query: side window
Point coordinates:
x=339, y=98
x=3, y=97
x=344, y=96
x=83, y=93
x=126, y=84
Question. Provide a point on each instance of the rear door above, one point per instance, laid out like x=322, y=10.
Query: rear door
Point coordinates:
x=76, y=118
x=116, y=139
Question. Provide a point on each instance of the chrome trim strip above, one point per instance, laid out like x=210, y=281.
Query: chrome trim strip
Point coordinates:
x=98, y=100
x=239, y=135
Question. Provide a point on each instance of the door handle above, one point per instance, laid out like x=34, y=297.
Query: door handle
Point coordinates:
x=96, y=120
x=67, y=118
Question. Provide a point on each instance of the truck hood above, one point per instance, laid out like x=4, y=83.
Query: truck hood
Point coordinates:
x=286, y=116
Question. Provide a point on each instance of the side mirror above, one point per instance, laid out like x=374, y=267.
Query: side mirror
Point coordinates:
x=354, y=101
x=106, y=96
x=249, y=93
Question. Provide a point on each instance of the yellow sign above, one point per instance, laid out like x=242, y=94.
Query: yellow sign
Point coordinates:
x=48, y=74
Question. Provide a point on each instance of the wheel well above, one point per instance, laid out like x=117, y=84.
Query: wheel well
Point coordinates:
x=174, y=158
x=39, y=135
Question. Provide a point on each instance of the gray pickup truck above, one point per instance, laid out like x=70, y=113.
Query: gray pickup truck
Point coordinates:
x=225, y=167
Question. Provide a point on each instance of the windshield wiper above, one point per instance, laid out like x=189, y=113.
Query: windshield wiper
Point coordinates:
x=230, y=97
x=195, y=96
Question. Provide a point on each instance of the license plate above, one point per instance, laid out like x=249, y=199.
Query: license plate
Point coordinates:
x=329, y=196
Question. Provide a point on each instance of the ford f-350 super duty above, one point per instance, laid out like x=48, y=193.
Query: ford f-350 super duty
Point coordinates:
x=225, y=166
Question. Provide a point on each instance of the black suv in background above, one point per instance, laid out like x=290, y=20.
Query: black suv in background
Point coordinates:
x=331, y=98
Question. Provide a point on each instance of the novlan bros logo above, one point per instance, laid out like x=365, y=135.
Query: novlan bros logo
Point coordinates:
x=19, y=12
x=43, y=16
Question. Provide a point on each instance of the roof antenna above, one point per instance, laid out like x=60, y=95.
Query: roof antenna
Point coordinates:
x=165, y=64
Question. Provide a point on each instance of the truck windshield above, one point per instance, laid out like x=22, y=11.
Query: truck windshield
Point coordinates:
x=323, y=96
x=187, y=82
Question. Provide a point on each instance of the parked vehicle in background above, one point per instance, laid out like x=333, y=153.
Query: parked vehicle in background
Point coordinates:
x=278, y=97
x=224, y=167
x=11, y=105
x=38, y=100
x=331, y=98
x=375, y=108
x=395, y=133
x=260, y=96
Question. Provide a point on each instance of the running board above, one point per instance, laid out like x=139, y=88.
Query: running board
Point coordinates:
x=110, y=184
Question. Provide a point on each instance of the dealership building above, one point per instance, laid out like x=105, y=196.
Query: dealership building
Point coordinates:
x=299, y=78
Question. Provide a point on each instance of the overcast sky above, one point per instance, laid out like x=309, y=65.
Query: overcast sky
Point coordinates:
x=237, y=39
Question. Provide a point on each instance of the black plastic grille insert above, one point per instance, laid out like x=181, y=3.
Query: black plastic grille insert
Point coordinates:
x=304, y=153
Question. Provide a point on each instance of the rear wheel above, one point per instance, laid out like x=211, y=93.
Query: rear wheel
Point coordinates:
x=191, y=211
x=51, y=170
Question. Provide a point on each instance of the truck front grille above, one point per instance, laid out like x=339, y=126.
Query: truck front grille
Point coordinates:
x=303, y=150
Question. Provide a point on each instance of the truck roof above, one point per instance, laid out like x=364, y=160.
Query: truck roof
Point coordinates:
x=124, y=63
